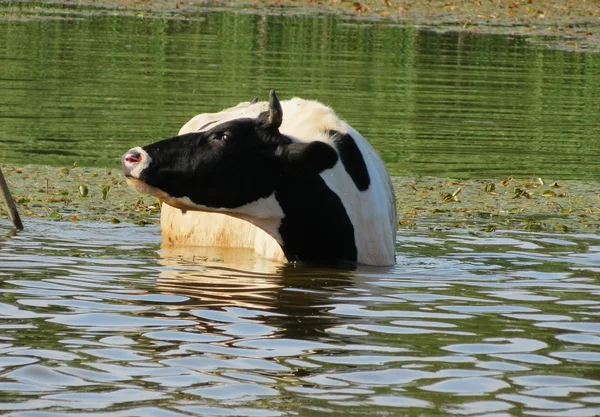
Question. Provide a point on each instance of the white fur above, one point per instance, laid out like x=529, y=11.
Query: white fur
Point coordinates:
x=372, y=212
x=142, y=165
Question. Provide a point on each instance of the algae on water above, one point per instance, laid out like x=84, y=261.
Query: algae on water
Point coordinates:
x=96, y=194
x=73, y=194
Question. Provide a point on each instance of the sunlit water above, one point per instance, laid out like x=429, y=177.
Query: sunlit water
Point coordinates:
x=76, y=85
x=97, y=319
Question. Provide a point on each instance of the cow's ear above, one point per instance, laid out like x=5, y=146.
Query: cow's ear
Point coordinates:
x=307, y=158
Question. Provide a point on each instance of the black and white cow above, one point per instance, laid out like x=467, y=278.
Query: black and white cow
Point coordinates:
x=314, y=187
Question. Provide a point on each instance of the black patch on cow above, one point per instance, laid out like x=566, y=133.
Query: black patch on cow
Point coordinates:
x=316, y=227
x=207, y=124
x=352, y=159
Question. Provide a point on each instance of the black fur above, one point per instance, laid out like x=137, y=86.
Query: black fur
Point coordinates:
x=227, y=166
x=316, y=227
x=352, y=159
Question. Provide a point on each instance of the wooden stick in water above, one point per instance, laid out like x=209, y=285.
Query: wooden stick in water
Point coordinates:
x=10, y=203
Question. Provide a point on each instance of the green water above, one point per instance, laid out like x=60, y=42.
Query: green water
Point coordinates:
x=84, y=87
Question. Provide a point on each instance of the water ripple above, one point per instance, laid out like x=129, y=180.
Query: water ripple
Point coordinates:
x=169, y=335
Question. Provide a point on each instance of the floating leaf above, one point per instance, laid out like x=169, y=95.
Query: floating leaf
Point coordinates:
x=522, y=193
x=83, y=190
x=64, y=171
x=115, y=220
x=358, y=7
x=517, y=193
x=555, y=185
x=490, y=187
x=446, y=197
x=561, y=227
x=541, y=181
x=74, y=218
x=55, y=215
x=505, y=181
x=62, y=199
x=105, y=191
x=490, y=227
x=549, y=193
x=533, y=225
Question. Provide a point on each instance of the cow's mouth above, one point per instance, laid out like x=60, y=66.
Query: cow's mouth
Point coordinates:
x=145, y=188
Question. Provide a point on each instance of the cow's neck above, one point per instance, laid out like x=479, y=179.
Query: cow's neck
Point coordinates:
x=315, y=226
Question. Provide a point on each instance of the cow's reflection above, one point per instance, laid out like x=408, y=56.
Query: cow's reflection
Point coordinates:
x=294, y=300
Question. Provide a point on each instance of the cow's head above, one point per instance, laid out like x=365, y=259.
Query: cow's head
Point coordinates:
x=232, y=164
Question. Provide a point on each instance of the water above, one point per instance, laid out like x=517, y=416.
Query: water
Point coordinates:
x=501, y=324
x=98, y=320
x=84, y=85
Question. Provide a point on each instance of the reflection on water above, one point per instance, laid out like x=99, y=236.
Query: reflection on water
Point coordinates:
x=453, y=104
x=99, y=320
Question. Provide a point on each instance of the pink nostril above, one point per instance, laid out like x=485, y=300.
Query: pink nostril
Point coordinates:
x=133, y=157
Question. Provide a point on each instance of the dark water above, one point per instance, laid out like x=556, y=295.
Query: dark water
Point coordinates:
x=502, y=324
x=75, y=86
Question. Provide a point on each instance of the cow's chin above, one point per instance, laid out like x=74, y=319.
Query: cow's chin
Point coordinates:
x=268, y=224
x=144, y=188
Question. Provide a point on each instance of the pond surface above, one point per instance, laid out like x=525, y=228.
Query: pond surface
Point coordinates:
x=96, y=319
x=86, y=84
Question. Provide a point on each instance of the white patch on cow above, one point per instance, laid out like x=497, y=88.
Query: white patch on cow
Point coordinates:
x=206, y=121
x=375, y=239
x=142, y=165
x=307, y=121
x=303, y=121
x=196, y=228
x=265, y=213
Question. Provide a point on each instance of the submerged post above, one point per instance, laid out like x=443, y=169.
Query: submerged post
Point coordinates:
x=13, y=214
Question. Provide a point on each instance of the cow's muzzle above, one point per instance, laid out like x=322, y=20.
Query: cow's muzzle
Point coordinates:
x=134, y=162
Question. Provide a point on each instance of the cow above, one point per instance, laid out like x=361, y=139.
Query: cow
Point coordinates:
x=289, y=179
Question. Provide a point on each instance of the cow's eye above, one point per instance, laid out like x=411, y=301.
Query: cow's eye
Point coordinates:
x=223, y=136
